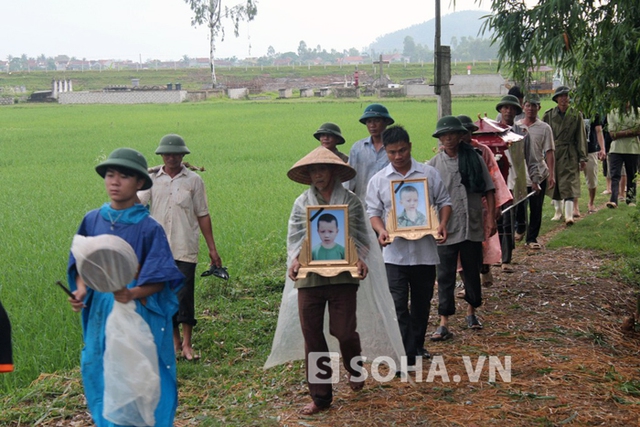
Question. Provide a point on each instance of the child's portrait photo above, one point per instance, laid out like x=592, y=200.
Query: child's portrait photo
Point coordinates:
x=327, y=230
x=410, y=204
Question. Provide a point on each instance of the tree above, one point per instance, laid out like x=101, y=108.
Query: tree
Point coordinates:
x=409, y=48
x=302, y=49
x=211, y=13
x=596, y=43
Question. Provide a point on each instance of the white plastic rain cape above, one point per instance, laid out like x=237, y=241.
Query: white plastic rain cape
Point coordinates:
x=376, y=317
x=107, y=263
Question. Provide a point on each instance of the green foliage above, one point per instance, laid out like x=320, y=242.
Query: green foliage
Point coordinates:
x=634, y=226
x=470, y=48
x=416, y=52
x=594, y=43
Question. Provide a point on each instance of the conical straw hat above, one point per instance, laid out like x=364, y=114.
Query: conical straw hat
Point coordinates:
x=320, y=155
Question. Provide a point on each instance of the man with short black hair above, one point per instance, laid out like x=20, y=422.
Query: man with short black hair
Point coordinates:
x=410, y=264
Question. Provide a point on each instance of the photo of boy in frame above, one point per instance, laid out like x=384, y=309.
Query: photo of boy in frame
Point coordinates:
x=410, y=204
x=327, y=230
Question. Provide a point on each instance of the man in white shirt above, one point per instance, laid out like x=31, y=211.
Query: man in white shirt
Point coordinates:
x=410, y=264
x=179, y=203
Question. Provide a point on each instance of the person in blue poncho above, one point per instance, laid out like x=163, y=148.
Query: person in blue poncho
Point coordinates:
x=153, y=290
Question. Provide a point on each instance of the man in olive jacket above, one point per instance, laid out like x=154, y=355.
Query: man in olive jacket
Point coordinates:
x=571, y=152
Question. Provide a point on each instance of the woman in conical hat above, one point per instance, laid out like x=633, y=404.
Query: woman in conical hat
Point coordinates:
x=376, y=332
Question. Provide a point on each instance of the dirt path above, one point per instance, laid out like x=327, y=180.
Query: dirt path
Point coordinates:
x=558, y=317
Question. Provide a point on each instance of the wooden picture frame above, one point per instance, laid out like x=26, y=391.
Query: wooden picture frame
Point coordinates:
x=411, y=216
x=327, y=249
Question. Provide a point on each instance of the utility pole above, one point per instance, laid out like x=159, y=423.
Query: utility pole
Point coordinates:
x=442, y=64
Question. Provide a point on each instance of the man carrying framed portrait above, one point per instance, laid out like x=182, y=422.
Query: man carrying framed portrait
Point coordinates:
x=410, y=264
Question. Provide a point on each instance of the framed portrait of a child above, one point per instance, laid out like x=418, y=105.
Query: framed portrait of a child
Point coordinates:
x=327, y=249
x=327, y=227
x=412, y=216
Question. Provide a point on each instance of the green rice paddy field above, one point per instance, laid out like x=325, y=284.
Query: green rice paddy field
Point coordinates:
x=47, y=159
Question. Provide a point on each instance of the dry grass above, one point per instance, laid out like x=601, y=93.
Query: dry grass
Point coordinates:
x=560, y=322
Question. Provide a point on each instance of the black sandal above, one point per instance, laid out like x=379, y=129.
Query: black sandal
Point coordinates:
x=441, y=334
x=473, y=322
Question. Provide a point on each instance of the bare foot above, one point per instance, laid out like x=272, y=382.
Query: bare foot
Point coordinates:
x=189, y=354
x=311, y=409
x=355, y=385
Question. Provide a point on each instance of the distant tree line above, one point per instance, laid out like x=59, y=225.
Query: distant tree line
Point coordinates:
x=464, y=49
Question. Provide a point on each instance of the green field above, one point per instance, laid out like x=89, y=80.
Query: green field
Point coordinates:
x=47, y=156
x=47, y=159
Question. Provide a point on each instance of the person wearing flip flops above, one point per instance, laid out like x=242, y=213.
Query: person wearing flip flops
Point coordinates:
x=491, y=248
x=595, y=152
x=570, y=141
x=178, y=201
x=467, y=180
x=410, y=264
x=541, y=137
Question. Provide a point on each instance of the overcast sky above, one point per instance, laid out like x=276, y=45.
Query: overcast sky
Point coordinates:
x=161, y=29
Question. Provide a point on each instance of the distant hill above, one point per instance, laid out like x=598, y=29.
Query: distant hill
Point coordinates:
x=465, y=23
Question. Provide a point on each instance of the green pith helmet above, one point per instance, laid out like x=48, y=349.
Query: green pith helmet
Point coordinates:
x=532, y=98
x=509, y=100
x=127, y=158
x=330, y=128
x=468, y=123
x=172, y=144
x=448, y=124
x=561, y=90
x=376, y=110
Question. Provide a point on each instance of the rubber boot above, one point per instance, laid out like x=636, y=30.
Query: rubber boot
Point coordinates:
x=557, y=204
x=568, y=212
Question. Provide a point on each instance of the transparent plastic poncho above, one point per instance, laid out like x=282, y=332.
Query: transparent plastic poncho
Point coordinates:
x=376, y=317
x=107, y=263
